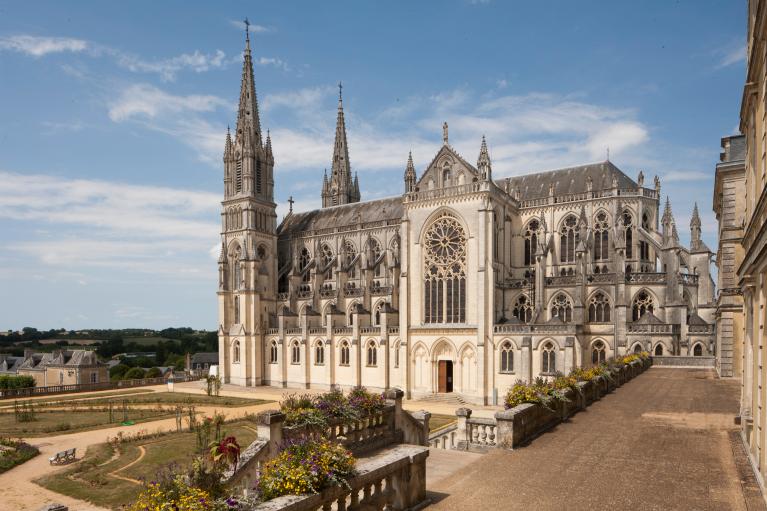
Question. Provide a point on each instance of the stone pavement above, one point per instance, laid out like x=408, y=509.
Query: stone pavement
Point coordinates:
x=664, y=441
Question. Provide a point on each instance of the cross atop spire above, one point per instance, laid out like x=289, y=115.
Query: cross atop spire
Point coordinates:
x=340, y=90
x=247, y=29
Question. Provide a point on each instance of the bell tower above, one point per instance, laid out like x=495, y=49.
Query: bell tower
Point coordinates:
x=248, y=261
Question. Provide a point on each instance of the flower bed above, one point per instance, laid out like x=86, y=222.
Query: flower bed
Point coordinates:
x=318, y=412
x=305, y=466
x=549, y=393
x=15, y=452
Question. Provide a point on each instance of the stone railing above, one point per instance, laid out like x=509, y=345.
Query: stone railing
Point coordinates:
x=561, y=280
x=350, y=292
x=701, y=329
x=88, y=387
x=662, y=328
x=595, y=194
x=450, y=191
x=392, y=425
x=646, y=278
x=343, y=330
x=271, y=331
x=317, y=330
x=519, y=425
x=282, y=297
x=293, y=330
x=393, y=329
x=683, y=361
x=380, y=290
x=444, y=438
x=304, y=294
x=601, y=278
x=394, y=479
x=373, y=329
x=328, y=292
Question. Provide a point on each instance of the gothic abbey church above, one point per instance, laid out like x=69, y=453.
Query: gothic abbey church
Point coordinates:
x=460, y=284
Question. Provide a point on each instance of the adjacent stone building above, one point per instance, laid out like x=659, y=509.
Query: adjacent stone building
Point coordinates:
x=463, y=283
x=752, y=272
x=63, y=367
x=729, y=190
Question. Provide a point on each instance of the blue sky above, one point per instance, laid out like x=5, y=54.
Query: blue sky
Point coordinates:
x=113, y=117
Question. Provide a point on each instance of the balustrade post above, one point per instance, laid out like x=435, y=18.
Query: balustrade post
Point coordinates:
x=269, y=428
x=463, y=432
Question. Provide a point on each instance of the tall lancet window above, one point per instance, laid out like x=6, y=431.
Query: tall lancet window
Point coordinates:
x=629, y=234
x=238, y=177
x=259, y=170
x=567, y=240
x=601, y=244
x=531, y=241
x=303, y=263
x=445, y=271
x=327, y=258
x=237, y=270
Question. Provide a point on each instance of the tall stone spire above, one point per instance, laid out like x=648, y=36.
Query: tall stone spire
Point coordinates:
x=341, y=189
x=696, y=244
x=410, y=177
x=483, y=162
x=669, y=225
x=248, y=122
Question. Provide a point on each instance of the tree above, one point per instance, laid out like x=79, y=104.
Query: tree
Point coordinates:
x=153, y=372
x=135, y=373
x=118, y=371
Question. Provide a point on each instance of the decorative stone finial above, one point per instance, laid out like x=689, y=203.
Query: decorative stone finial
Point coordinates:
x=444, y=132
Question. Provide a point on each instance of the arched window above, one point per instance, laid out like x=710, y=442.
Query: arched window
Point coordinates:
x=396, y=354
x=548, y=359
x=659, y=350
x=236, y=310
x=375, y=252
x=598, y=353
x=258, y=175
x=531, y=241
x=237, y=270
x=562, y=308
x=627, y=220
x=523, y=309
x=295, y=353
x=273, y=353
x=351, y=253
x=697, y=350
x=638, y=348
x=567, y=240
x=599, y=308
x=644, y=247
x=303, y=263
x=446, y=173
x=643, y=303
x=372, y=354
x=445, y=271
x=236, y=352
x=377, y=313
x=319, y=353
x=327, y=257
x=601, y=229
x=352, y=309
x=344, y=353
x=507, y=358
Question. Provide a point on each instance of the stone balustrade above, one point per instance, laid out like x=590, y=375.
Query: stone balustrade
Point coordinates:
x=646, y=278
x=661, y=328
x=394, y=479
x=519, y=425
x=343, y=330
x=370, y=329
x=350, y=292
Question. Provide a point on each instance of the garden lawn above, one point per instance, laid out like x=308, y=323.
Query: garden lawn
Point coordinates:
x=90, y=480
x=180, y=398
x=58, y=421
x=438, y=421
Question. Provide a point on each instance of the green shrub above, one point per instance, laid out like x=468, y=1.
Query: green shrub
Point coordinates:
x=135, y=373
x=18, y=453
x=8, y=381
x=118, y=371
x=153, y=372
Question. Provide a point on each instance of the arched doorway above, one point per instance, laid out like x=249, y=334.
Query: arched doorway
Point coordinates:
x=444, y=376
x=444, y=361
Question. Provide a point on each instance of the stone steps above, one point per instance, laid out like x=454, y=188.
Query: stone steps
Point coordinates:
x=450, y=399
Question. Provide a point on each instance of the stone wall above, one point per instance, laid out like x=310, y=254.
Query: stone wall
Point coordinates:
x=683, y=361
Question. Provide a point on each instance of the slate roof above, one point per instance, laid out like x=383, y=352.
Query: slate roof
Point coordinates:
x=696, y=320
x=648, y=318
x=205, y=357
x=568, y=180
x=9, y=364
x=347, y=214
x=71, y=358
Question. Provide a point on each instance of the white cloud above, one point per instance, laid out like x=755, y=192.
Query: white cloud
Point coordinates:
x=144, y=100
x=39, y=46
x=272, y=61
x=168, y=68
x=732, y=56
x=254, y=29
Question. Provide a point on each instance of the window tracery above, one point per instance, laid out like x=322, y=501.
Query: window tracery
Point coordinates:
x=601, y=229
x=523, y=309
x=507, y=358
x=643, y=303
x=562, y=308
x=531, y=241
x=568, y=238
x=548, y=359
x=599, y=308
x=445, y=271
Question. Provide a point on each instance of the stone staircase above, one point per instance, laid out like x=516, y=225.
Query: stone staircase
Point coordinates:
x=447, y=399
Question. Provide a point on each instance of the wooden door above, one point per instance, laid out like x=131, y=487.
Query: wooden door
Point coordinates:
x=442, y=371
x=449, y=377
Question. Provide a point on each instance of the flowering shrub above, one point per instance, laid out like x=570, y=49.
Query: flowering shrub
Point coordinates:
x=315, y=412
x=227, y=451
x=305, y=466
x=178, y=496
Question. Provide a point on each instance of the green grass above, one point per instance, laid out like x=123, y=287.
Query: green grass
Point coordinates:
x=90, y=479
x=16, y=453
x=67, y=421
x=74, y=397
x=438, y=421
x=180, y=398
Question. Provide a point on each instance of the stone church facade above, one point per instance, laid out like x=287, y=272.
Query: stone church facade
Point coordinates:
x=463, y=283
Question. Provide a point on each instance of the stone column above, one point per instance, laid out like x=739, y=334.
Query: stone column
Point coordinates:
x=270, y=428
x=569, y=354
x=526, y=360
x=462, y=433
